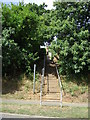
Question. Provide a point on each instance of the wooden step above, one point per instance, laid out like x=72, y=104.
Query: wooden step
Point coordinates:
x=46, y=100
x=51, y=95
x=51, y=82
x=53, y=90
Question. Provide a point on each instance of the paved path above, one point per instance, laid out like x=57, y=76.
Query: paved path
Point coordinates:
x=48, y=103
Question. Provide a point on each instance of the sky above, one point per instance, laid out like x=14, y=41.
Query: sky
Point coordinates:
x=47, y=2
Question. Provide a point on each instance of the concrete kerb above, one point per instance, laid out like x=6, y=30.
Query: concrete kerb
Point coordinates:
x=12, y=115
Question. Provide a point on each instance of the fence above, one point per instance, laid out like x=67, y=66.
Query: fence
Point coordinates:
x=60, y=86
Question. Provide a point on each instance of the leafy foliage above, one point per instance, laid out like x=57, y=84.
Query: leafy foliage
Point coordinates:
x=72, y=31
x=11, y=52
x=20, y=36
x=26, y=27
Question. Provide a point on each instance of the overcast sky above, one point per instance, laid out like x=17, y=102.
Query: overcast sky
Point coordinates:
x=48, y=2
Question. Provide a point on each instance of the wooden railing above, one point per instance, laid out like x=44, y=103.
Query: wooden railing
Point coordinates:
x=60, y=84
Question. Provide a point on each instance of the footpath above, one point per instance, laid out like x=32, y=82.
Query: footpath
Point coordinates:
x=51, y=103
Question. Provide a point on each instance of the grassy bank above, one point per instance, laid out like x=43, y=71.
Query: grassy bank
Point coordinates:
x=37, y=110
x=75, y=89
x=22, y=88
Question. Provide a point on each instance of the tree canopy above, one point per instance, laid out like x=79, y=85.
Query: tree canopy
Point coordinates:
x=21, y=36
x=26, y=27
x=71, y=26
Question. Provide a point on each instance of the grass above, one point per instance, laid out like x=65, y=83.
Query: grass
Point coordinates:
x=22, y=88
x=76, y=90
x=50, y=111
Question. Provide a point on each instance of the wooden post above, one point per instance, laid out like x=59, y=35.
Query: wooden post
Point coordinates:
x=34, y=79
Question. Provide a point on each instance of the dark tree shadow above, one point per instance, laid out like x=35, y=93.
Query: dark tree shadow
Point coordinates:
x=51, y=68
x=79, y=79
x=11, y=84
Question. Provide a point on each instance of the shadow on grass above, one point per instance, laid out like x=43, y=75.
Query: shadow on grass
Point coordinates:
x=79, y=79
x=11, y=84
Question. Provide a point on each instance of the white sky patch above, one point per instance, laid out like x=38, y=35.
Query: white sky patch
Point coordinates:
x=47, y=2
x=10, y=0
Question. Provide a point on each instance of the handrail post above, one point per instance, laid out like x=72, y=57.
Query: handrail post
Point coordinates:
x=60, y=86
x=42, y=76
x=34, y=79
x=61, y=98
x=40, y=97
x=42, y=80
x=44, y=61
x=60, y=92
x=44, y=68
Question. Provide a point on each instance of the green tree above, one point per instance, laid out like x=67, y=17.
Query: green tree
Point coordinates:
x=21, y=36
x=72, y=30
